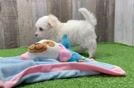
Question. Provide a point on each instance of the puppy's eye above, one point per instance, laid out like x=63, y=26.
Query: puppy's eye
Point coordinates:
x=41, y=29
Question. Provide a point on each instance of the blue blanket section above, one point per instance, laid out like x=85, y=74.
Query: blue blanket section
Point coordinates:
x=10, y=66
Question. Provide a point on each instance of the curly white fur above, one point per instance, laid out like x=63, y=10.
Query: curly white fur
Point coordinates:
x=80, y=32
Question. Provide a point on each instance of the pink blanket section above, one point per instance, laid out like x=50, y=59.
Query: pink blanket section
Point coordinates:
x=117, y=71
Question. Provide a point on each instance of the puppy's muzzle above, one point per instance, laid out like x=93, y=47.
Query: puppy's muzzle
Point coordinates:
x=36, y=35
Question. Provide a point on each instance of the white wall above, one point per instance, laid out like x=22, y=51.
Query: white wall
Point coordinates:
x=124, y=22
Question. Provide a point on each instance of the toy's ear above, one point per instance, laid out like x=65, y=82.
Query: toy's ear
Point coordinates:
x=66, y=42
x=52, y=20
x=24, y=56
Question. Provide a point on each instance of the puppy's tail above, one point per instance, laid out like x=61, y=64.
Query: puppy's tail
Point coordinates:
x=88, y=16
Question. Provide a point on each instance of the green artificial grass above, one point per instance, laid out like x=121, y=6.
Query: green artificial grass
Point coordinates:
x=117, y=54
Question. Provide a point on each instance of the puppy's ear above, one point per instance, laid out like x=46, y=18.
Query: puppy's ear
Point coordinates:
x=52, y=20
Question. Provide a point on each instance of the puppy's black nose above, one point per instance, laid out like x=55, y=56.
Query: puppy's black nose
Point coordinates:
x=36, y=35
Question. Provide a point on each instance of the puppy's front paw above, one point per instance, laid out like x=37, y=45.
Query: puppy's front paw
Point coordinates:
x=37, y=48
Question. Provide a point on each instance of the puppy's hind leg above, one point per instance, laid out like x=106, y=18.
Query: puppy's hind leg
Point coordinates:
x=92, y=48
x=89, y=45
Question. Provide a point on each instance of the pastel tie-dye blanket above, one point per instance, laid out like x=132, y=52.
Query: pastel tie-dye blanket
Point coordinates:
x=14, y=70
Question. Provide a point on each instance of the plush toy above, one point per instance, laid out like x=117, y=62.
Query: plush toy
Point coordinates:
x=67, y=44
x=48, y=49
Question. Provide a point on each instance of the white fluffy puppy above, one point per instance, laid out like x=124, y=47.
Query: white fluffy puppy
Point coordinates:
x=80, y=32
